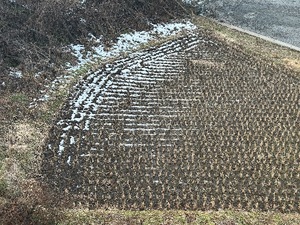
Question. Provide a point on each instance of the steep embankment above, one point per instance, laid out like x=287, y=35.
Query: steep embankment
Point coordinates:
x=192, y=124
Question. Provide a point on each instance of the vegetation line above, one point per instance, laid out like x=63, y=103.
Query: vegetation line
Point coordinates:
x=269, y=39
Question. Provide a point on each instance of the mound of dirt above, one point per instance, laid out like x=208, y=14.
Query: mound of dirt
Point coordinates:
x=34, y=32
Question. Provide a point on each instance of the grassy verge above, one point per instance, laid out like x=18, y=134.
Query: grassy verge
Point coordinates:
x=177, y=217
x=253, y=45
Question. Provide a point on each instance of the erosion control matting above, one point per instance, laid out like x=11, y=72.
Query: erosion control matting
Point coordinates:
x=191, y=124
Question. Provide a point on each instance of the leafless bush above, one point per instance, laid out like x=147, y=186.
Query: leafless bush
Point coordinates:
x=32, y=32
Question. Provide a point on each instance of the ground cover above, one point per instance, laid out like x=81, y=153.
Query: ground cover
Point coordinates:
x=25, y=123
x=253, y=45
x=178, y=217
x=191, y=124
x=125, y=115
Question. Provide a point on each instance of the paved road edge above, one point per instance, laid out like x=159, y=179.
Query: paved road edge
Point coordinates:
x=281, y=43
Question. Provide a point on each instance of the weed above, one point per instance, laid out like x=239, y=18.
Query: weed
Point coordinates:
x=19, y=98
x=3, y=187
x=252, y=45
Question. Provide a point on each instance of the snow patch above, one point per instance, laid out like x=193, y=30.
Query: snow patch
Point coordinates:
x=69, y=161
x=87, y=125
x=82, y=20
x=61, y=147
x=16, y=73
x=67, y=128
x=72, y=140
x=193, y=2
x=127, y=42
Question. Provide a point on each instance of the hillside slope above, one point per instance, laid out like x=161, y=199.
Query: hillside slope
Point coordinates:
x=191, y=124
x=34, y=34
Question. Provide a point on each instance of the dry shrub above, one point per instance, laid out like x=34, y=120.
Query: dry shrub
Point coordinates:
x=57, y=20
x=36, y=205
x=117, y=16
x=24, y=200
x=33, y=31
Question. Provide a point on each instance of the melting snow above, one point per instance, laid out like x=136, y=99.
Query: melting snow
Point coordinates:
x=61, y=147
x=98, y=85
x=72, y=140
x=69, y=161
x=82, y=20
x=67, y=128
x=87, y=125
x=129, y=41
x=193, y=2
x=16, y=73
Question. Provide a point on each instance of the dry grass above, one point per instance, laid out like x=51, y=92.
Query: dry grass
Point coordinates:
x=206, y=63
x=22, y=141
x=22, y=155
x=293, y=63
x=253, y=45
x=24, y=199
x=175, y=217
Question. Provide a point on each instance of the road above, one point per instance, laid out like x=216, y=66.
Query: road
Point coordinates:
x=278, y=19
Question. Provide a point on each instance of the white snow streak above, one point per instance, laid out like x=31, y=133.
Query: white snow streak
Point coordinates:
x=72, y=140
x=128, y=42
x=123, y=79
x=69, y=160
x=16, y=73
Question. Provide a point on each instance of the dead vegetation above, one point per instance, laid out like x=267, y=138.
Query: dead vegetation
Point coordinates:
x=178, y=132
x=31, y=40
x=253, y=45
x=24, y=200
x=34, y=32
